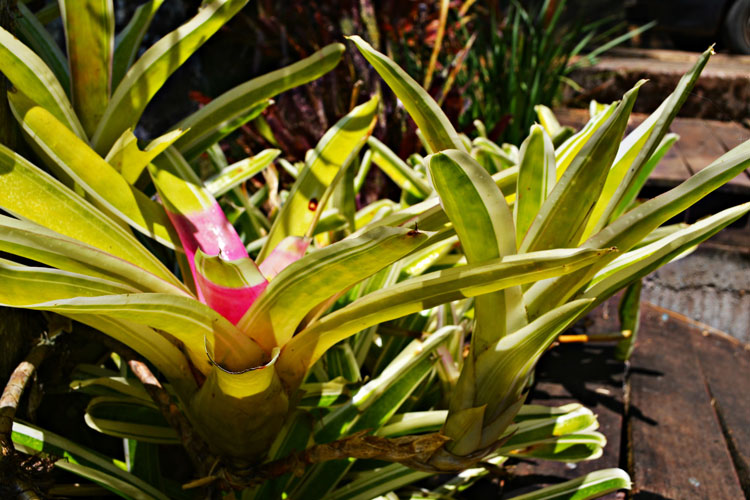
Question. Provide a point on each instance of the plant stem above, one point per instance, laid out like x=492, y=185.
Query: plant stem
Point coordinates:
x=10, y=472
x=195, y=447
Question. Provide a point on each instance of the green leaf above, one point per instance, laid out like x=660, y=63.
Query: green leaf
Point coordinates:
x=592, y=485
x=189, y=321
x=128, y=41
x=629, y=229
x=399, y=172
x=428, y=116
x=27, y=239
x=568, y=448
x=423, y=292
x=563, y=216
x=35, y=35
x=630, y=318
x=28, y=192
x=129, y=418
x=239, y=172
x=638, y=263
x=338, y=146
x=152, y=345
x=90, y=37
x=378, y=400
x=128, y=159
x=26, y=71
x=274, y=317
x=536, y=178
x=227, y=112
x=106, y=187
x=484, y=224
x=635, y=188
x=378, y=481
x=639, y=146
x=152, y=69
x=82, y=462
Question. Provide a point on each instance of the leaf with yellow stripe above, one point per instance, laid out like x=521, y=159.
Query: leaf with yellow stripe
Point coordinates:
x=29, y=192
x=338, y=146
x=90, y=38
x=484, y=225
x=106, y=187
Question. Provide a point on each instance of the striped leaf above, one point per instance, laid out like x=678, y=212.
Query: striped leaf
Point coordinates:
x=239, y=172
x=82, y=462
x=28, y=192
x=90, y=37
x=128, y=159
x=635, y=188
x=569, y=448
x=195, y=325
x=629, y=229
x=105, y=186
x=568, y=150
x=225, y=113
x=592, y=485
x=536, y=178
x=27, y=71
x=152, y=345
x=335, y=150
x=563, y=216
x=437, y=129
x=423, y=292
x=32, y=241
x=484, y=224
x=399, y=172
x=128, y=41
x=638, y=263
x=639, y=146
x=35, y=35
x=129, y=418
x=273, y=319
x=151, y=70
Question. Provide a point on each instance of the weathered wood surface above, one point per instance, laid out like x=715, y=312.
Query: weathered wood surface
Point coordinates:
x=678, y=420
x=722, y=92
x=701, y=142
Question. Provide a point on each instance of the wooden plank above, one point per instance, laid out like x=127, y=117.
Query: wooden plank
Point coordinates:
x=726, y=368
x=697, y=144
x=677, y=447
x=671, y=170
x=731, y=135
x=586, y=374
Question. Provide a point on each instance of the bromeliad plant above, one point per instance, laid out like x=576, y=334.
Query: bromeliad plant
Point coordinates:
x=252, y=348
x=235, y=338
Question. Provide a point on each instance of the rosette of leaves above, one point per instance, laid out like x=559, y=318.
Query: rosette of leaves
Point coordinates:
x=234, y=337
x=253, y=349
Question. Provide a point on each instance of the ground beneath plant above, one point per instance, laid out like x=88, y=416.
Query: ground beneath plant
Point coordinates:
x=675, y=416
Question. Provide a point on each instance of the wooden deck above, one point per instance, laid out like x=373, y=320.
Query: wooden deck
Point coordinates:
x=677, y=417
x=701, y=142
